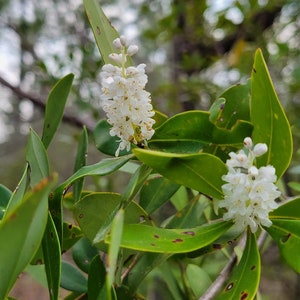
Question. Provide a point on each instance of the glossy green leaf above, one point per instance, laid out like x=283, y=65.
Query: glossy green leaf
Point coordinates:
x=72, y=279
x=154, y=239
x=103, y=30
x=156, y=192
x=104, y=167
x=21, y=231
x=52, y=258
x=83, y=253
x=244, y=280
x=92, y=211
x=18, y=194
x=96, y=279
x=195, y=127
x=37, y=158
x=233, y=105
x=106, y=143
x=286, y=234
x=288, y=210
x=113, y=250
x=201, y=172
x=268, y=117
x=5, y=195
x=55, y=108
x=80, y=162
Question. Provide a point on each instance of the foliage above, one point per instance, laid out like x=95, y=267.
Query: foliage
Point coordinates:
x=118, y=243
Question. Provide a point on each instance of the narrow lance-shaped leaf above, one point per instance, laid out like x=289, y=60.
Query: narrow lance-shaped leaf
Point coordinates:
x=270, y=122
x=244, y=280
x=80, y=162
x=37, y=158
x=55, y=108
x=103, y=30
x=152, y=239
x=21, y=231
x=202, y=172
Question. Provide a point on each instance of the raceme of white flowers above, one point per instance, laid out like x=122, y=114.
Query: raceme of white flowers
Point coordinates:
x=124, y=99
x=249, y=191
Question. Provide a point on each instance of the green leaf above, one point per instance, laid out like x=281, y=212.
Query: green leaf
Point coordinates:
x=52, y=258
x=37, y=158
x=233, y=105
x=55, y=108
x=104, y=167
x=80, y=162
x=96, y=279
x=106, y=143
x=195, y=274
x=201, y=172
x=87, y=212
x=72, y=279
x=286, y=234
x=5, y=195
x=195, y=127
x=244, y=280
x=18, y=194
x=153, y=239
x=83, y=253
x=103, y=31
x=71, y=235
x=21, y=231
x=156, y=192
x=270, y=122
x=113, y=250
x=288, y=210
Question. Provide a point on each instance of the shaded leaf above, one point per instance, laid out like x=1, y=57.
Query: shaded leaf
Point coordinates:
x=55, y=108
x=5, y=195
x=52, y=258
x=268, y=117
x=96, y=279
x=72, y=279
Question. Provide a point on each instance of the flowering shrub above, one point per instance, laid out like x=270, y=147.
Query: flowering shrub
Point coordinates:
x=115, y=239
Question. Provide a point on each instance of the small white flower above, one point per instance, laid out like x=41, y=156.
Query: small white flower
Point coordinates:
x=249, y=192
x=124, y=99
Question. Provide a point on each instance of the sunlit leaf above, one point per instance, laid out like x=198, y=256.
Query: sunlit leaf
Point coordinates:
x=286, y=234
x=244, y=280
x=37, y=158
x=201, y=172
x=21, y=231
x=55, y=108
x=268, y=117
x=154, y=239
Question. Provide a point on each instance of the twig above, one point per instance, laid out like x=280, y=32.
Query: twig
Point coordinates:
x=41, y=103
x=216, y=286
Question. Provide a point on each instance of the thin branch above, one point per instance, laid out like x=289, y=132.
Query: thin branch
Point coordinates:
x=41, y=103
x=216, y=286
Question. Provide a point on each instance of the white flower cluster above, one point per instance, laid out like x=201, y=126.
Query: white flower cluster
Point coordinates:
x=124, y=99
x=250, y=192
